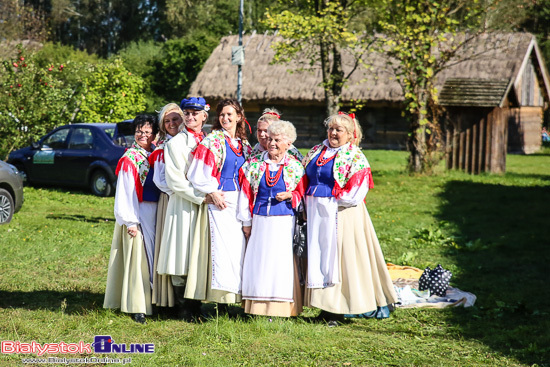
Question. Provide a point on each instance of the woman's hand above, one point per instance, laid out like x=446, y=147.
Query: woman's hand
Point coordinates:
x=285, y=195
x=208, y=199
x=247, y=230
x=218, y=200
x=133, y=231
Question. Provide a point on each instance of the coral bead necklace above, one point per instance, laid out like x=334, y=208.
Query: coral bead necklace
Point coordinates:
x=239, y=150
x=322, y=161
x=272, y=180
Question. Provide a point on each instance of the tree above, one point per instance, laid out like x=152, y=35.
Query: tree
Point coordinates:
x=111, y=93
x=33, y=100
x=139, y=58
x=419, y=35
x=179, y=63
x=19, y=21
x=320, y=31
x=217, y=18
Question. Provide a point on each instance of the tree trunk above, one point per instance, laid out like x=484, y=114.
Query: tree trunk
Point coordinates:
x=333, y=77
x=417, y=138
x=417, y=148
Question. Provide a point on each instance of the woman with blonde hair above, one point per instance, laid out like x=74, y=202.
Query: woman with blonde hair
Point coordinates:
x=170, y=120
x=268, y=116
x=184, y=249
x=347, y=273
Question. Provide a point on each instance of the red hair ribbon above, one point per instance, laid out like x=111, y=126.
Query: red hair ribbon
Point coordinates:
x=273, y=114
x=352, y=115
x=249, y=128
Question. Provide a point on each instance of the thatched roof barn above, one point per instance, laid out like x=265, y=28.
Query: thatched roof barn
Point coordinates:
x=490, y=61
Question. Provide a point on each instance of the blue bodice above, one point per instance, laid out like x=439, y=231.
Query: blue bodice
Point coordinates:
x=266, y=204
x=229, y=178
x=320, y=178
x=150, y=191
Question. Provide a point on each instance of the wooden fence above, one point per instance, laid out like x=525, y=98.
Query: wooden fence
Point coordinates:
x=477, y=145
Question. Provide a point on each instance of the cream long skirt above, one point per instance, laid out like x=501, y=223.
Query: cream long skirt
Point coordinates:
x=163, y=292
x=365, y=280
x=128, y=285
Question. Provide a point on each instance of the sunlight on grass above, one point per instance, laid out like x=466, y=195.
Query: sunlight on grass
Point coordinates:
x=491, y=230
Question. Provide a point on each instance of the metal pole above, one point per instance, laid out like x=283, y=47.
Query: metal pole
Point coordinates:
x=240, y=67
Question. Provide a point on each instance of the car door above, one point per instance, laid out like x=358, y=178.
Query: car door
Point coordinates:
x=78, y=156
x=45, y=167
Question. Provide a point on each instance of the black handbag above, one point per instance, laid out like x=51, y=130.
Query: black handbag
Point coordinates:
x=300, y=233
x=436, y=280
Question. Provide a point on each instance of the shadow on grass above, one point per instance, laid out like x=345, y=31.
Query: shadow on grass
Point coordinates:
x=79, y=218
x=72, y=302
x=509, y=275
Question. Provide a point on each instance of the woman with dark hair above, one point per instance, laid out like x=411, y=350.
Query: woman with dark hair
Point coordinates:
x=214, y=170
x=130, y=273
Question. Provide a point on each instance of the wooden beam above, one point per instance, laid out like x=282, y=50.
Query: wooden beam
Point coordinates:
x=467, y=153
x=481, y=147
x=475, y=153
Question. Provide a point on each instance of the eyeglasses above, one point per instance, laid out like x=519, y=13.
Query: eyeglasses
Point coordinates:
x=188, y=113
x=144, y=133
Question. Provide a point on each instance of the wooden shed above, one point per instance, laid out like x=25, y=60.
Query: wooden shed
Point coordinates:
x=500, y=110
x=298, y=93
x=507, y=58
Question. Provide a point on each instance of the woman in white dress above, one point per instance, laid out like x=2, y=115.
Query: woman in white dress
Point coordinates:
x=184, y=249
x=130, y=272
x=268, y=116
x=347, y=273
x=272, y=185
x=214, y=170
x=170, y=120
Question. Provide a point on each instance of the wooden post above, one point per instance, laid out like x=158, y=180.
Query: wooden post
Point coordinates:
x=448, y=148
x=461, y=151
x=497, y=140
x=481, y=147
x=488, y=137
x=473, y=166
x=456, y=129
x=467, y=151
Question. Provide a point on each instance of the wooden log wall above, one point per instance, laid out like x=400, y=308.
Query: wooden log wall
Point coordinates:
x=477, y=143
x=524, y=127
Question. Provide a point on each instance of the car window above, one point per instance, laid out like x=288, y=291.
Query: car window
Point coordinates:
x=110, y=132
x=81, y=138
x=56, y=140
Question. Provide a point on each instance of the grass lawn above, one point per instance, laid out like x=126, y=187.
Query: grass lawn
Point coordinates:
x=491, y=231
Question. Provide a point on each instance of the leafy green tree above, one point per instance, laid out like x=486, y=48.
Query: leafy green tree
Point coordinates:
x=20, y=21
x=217, y=18
x=179, y=63
x=111, y=93
x=138, y=58
x=104, y=26
x=33, y=100
x=320, y=31
x=417, y=34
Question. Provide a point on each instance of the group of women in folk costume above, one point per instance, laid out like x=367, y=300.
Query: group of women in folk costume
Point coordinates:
x=225, y=219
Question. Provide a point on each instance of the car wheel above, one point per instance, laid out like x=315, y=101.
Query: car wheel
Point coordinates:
x=100, y=185
x=6, y=206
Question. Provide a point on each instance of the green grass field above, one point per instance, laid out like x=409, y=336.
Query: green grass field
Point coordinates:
x=492, y=231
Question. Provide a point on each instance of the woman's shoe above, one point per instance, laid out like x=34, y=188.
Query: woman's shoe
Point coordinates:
x=140, y=318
